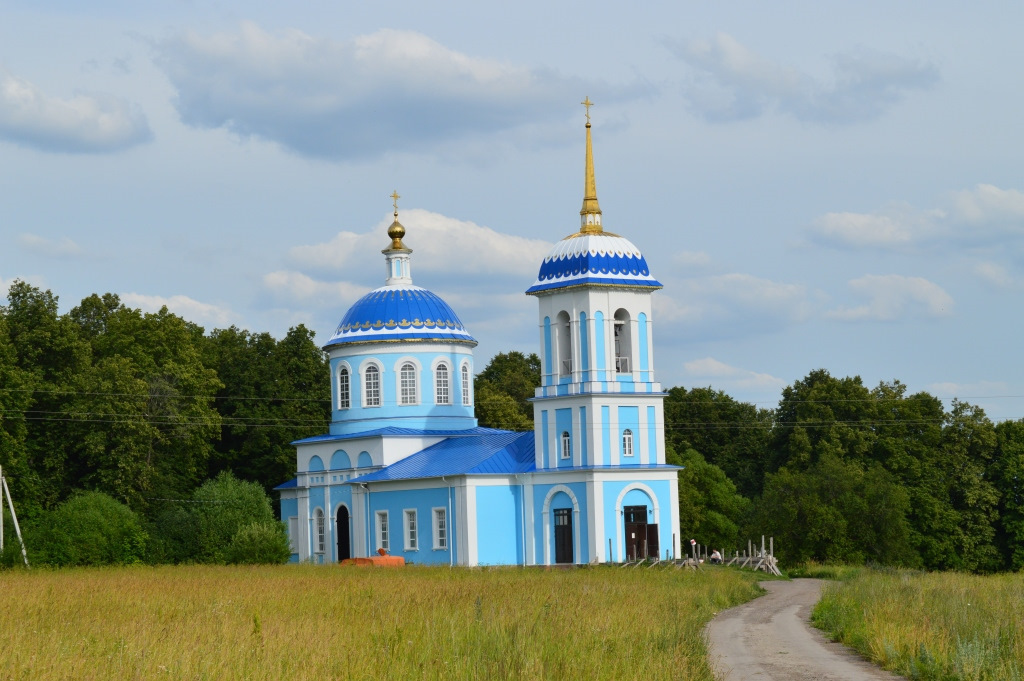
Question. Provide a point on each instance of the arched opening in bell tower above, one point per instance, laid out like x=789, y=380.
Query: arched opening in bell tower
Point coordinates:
x=623, y=342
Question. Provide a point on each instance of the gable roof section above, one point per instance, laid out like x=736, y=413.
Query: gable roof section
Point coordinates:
x=497, y=453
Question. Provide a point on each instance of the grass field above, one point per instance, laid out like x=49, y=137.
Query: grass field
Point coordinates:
x=941, y=626
x=308, y=622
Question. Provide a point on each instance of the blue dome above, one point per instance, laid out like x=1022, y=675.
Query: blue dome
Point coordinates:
x=602, y=259
x=400, y=313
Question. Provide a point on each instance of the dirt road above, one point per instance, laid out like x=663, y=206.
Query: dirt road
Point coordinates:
x=771, y=639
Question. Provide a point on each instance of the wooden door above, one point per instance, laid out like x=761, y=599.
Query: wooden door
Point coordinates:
x=563, y=535
x=637, y=545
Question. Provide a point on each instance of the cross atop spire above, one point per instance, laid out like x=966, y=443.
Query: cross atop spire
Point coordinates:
x=590, y=215
x=394, y=200
x=587, y=104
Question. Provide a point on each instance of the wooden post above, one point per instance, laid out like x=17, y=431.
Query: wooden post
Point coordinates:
x=610, y=557
x=14, y=516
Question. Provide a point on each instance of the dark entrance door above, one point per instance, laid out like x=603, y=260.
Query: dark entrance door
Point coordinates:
x=563, y=535
x=344, y=546
x=638, y=543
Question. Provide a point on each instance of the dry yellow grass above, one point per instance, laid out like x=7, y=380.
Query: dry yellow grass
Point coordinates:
x=307, y=622
x=931, y=626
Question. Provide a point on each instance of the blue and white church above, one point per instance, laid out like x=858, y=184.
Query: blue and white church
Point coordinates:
x=405, y=467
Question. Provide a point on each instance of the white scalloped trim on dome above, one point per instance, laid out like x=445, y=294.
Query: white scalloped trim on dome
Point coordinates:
x=598, y=244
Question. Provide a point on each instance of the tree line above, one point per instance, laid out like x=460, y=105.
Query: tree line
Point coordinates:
x=163, y=419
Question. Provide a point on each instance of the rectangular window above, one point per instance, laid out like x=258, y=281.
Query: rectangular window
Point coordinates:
x=443, y=394
x=411, y=543
x=371, y=385
x=343, y=389
x=440, y=528
x=566, y=446
x=382, y=531
x=293, y=533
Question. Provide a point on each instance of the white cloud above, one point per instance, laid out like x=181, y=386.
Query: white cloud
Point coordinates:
x=388, y=91
x=439, y=245
x=733, y=82
x=732, y=296
x=188, y=308
x=59, y=248
x=711, y=369
x=85, y=123
x=694, y=259
x=894, y=296
x=296, y=286
x=973, y=218
x=977, y=389
x=994, y=274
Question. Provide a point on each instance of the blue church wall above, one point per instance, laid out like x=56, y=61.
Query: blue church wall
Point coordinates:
x=365, y=460
x=584, y=456
x=599, y=344
x=560, y=500
x=563, y=424
x=316, y=464
x=584, y=347
x=548, y=374
x=652, y=435
x=340, y=460
x=499, y=524
x=544, y=434
x=606, y=436
x=644, y=361
x=424, y=414
x=629, y=417
x=613, y=519
x=290, y=509
x=423, y=501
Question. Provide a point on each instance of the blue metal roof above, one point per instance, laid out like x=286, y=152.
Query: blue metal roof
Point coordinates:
x=291, y=484
x=394, y=431
x=603, y=259
x=499, y=453
x=401, y=313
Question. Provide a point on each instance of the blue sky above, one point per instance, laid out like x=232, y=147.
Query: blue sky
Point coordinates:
x=818, y=185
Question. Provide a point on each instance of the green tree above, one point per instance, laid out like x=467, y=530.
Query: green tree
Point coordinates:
x=274, y=392
x=90, y=528
x=1008, y=478
x=710, y=508
x=835, y=511
x=220, y=508
x=50, y=354
x=496, y=409
x=514, y=374
x=259, y=543
x=729, y=434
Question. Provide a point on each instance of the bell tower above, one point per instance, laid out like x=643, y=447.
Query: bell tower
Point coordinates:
x=598, y=403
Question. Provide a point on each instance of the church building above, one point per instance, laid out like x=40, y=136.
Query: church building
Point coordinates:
x=405, y=468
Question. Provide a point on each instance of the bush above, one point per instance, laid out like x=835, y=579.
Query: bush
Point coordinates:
x=222, y=507
x=90, y=528
x=259, y=543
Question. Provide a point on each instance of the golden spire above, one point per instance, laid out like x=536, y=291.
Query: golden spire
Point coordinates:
x=396, y=231
x=590, y=214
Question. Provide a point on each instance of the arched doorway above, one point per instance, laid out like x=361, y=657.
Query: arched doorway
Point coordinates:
x=344, y=545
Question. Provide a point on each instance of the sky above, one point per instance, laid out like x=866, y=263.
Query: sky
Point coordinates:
x=816, y=184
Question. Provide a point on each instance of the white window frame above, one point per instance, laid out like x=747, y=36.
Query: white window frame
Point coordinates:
x=410, y=529
x=383, y=528
x=320, y=527
x=439, y=520
x=402, y=396
x=566, y=441
x=627, y=442
x=466, y=395
x=372, y=398
x=442, y=384
x=293, y=533
x=344, y=387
